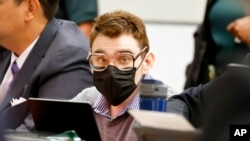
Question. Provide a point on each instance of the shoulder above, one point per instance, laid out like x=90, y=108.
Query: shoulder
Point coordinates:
x=70, y=37
x=89, y=94
x=71, y=30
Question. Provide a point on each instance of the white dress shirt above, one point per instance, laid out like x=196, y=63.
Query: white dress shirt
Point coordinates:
x=8, y=75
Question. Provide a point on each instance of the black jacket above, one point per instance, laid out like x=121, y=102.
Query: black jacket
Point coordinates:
x=196, y=72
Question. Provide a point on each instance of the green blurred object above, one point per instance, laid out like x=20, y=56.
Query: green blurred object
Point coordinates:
x=65, y=136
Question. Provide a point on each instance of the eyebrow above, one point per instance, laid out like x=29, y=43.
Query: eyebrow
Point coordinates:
x=120, y=51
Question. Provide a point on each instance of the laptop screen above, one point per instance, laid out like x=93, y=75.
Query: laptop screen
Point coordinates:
x=57, y=116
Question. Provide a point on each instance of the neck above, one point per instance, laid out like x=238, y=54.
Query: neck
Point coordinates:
x=22, y=40
x=115, y=110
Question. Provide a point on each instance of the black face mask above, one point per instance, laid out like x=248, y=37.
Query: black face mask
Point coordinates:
x=115, y=85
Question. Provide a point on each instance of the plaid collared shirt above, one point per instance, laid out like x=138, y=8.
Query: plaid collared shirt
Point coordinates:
x=101, y=106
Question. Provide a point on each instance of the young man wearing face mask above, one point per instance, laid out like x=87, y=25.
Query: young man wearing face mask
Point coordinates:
x=120, y=58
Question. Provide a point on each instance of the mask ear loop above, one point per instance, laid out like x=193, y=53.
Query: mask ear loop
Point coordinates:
x=141, y=62
x=143, y=76
x=142, y=58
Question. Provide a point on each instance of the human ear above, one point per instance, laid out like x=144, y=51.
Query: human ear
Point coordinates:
x=32, y=7
x=148, y=62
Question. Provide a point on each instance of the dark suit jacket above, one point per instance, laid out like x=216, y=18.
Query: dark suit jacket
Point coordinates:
x=55, y=68
x=196, y=103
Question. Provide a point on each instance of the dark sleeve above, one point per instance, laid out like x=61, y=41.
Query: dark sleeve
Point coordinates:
x=196, y=103
x=81, y=10
x=190, y=104
x=230, y=105
x=246, y=60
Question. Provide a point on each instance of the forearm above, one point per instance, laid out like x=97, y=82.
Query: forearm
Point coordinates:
x=189, y=104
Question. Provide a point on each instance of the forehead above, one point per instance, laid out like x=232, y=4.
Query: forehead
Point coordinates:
x=108, y=45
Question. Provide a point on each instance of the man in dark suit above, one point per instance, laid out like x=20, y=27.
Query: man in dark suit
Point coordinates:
x=50, y=54
x=204, y=104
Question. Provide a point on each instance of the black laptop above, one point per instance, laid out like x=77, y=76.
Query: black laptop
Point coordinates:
x=57, y=116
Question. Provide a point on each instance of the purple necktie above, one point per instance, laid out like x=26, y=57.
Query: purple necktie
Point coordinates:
x=14, y=70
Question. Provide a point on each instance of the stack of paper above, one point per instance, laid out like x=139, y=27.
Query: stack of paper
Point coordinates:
x=160, y=126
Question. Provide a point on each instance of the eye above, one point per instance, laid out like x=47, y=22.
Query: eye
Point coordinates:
x=124, y=59
x=99, y=60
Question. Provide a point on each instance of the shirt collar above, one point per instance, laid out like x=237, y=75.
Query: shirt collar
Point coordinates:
x=101, y=106
x=21, y=59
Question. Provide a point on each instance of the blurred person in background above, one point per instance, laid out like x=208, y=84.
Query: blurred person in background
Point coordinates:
x=219, y=41
x=82, y=12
